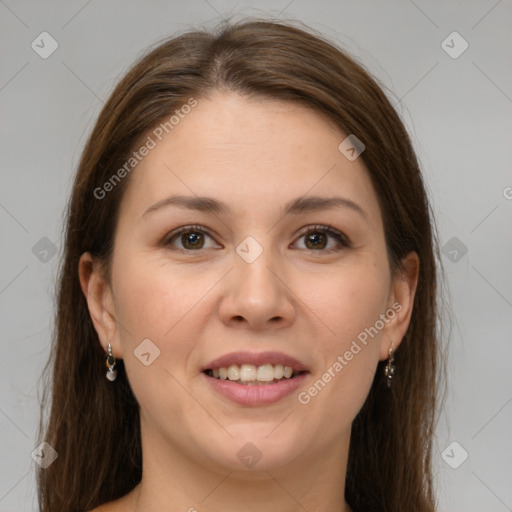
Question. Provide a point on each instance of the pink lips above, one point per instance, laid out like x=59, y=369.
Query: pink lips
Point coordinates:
x=258, y=394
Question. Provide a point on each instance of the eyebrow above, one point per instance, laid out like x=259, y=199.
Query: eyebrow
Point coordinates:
x=294, y=207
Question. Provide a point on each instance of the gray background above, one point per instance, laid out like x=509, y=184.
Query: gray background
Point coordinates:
x=458, y=111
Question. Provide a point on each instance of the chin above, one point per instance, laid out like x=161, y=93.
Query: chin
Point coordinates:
x=255, y=449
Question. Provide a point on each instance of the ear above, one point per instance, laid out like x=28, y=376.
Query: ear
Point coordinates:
x=98, y=294
x=400, y=302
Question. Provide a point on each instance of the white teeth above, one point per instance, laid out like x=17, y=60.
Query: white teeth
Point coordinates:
x=248, y=373
x=265, y=373
x=234, y=372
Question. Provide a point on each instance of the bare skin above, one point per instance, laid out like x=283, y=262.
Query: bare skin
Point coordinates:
x=198, y=302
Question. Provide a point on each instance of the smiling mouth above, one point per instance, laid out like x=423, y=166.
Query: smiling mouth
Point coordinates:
x=253, y=375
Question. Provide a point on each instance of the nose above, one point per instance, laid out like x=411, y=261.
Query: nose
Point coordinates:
x=257, y=294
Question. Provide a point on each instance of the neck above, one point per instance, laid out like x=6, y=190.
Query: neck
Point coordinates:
x=171, y=482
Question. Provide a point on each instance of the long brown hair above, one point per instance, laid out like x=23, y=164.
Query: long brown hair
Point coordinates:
x=93, y=424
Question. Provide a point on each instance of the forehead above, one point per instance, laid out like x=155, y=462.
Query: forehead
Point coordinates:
x=249, y=153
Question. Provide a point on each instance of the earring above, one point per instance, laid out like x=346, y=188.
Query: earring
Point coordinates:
x=111, y=364
x=389, y=370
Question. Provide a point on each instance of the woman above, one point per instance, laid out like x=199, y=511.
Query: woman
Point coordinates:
x=247, y=304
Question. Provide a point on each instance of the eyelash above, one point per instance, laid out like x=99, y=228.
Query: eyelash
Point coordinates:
x=334, y=233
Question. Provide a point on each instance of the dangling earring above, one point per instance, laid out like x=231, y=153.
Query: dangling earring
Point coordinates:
x=111, y=364
x=389, y=370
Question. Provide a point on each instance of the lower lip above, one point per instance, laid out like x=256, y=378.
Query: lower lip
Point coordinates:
x=260, y=394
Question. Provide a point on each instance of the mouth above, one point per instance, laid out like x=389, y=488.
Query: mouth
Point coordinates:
x=255, y=379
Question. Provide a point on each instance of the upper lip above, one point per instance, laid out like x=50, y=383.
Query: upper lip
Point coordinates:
x=257, y=359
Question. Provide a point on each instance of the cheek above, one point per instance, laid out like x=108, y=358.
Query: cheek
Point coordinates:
x=151, y=295
x=347, y=302
x=148, y=307
x=157, y=314
x=164, y=303
x=349, y=305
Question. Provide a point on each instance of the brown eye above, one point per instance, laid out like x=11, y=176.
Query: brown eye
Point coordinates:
x=191, y=238
x=317, y=239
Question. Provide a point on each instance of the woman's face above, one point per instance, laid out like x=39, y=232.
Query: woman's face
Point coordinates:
x=254, y=278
